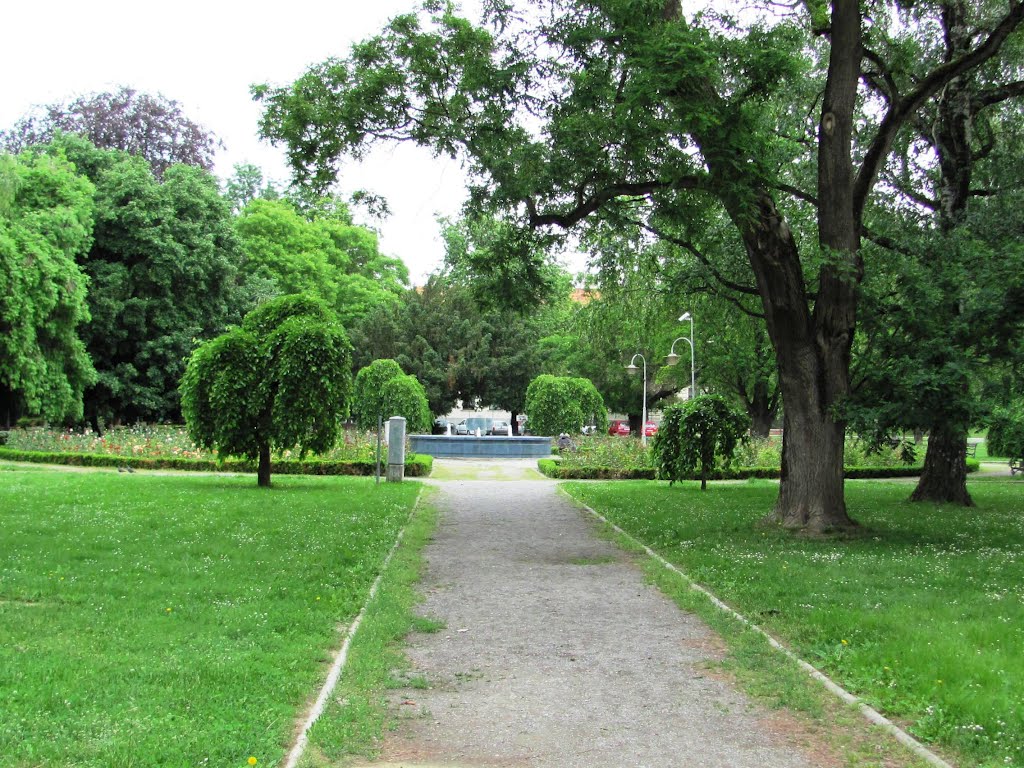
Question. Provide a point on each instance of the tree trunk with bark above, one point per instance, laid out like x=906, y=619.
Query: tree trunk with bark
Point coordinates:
x=263, y=467
x=944, y=479
x=813, y=356
x=762, y=407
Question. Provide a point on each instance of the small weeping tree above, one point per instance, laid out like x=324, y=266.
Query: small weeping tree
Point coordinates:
x=282, y=380
x=1006, y=433
x=694, y=436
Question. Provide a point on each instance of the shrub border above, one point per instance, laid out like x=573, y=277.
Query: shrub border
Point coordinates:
x=552, y=468
x=416, y=464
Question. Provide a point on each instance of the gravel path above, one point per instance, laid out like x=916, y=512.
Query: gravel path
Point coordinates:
x=556, y=653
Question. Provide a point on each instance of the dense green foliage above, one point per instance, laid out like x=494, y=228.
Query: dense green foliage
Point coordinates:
x=556, y=404
x=164, y=271
x=383, y=389
x=46, y=223
x=921, y=616
x=641, y=115
x=160, y=604
x=1006, y=433
x=319, y=254
x=696, y=435
x=368, y=403
x=281, y=380
x=404, y=396
x=458, y=349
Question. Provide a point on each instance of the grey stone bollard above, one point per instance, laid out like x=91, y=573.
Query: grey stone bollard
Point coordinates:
x=396, y=449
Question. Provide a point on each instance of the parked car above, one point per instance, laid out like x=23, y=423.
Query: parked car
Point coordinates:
x=500, y=429
x=460, y=428
x=650, y=429
x=440, y=426
x=619, y=427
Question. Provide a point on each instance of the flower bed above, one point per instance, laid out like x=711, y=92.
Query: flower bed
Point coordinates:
x=169, y=447
x=599, y=457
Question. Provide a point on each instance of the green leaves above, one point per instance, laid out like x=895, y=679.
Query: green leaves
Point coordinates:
x=696, y=435
x=319, y=254
x=383, y=389
x=281, y=380
x=46, y=221
x=556, y=404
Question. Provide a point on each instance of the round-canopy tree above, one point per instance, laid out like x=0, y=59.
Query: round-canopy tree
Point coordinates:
x=383, y=389
x=282, y=380
x=557, y=404
x=695, y=434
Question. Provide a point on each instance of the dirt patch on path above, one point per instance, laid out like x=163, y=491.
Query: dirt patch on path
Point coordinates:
x=556, y=652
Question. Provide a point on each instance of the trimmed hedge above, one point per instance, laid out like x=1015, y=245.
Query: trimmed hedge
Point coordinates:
x=416, y=465
x=552, y=468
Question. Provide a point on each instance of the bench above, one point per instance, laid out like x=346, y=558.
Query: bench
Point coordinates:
x=972, y=448
x=1016, y=465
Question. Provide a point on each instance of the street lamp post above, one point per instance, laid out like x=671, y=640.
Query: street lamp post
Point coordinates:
x=673, y=358
x=633, y=370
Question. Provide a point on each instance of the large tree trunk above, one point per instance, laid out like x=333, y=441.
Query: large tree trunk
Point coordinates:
x=944, y=479
x=813, y=356
x=263, y=468
x=812, y=347
x=762, y=407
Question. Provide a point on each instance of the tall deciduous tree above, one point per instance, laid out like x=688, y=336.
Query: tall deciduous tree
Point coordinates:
x=281, y=380
x=151, y=127
x=326, y=256
x=46, y=221
x=932, y=342
x=628, y=104
x=164, y=271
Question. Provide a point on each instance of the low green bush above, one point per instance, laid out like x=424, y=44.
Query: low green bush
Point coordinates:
x=416, y=465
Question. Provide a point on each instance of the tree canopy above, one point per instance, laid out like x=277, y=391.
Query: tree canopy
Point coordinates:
x=151, y=127
x=556, y=404
x=281, y=380
x=324, y=255
x=629, y=112
x=164, y=270
x=46, y=223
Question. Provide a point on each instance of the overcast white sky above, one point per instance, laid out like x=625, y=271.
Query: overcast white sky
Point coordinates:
x=205, y=55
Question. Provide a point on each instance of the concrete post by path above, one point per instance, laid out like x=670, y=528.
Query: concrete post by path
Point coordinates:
x=396, y=449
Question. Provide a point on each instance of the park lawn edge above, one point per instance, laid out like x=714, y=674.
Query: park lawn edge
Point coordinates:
x=771, y=677
x=416, y=464
x=552, y=468
x=358, y=714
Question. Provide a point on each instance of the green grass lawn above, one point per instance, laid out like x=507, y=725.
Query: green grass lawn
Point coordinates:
x=922, y=615
x=171, y=620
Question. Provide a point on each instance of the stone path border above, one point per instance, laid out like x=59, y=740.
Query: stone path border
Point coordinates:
x=869, y=713
x=298, y=747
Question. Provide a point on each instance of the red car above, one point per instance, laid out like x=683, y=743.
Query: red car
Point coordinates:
x=619, y=427
x=650, y=429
